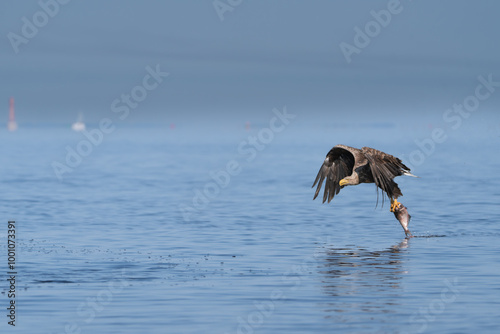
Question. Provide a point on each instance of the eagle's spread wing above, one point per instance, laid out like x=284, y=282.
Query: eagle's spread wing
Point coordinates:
x=385, y=168
x=338, y=164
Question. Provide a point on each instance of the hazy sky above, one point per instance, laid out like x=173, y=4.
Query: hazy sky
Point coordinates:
x=261, y=54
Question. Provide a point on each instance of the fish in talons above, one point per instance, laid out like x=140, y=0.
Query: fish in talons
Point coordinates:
x=402, y=215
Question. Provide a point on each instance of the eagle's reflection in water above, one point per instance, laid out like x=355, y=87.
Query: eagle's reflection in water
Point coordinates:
x=365, y=286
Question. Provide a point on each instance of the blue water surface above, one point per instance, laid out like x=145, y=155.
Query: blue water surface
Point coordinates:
x=196, y=230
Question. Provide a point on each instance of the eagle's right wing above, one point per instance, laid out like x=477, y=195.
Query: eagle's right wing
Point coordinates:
x=338, y=164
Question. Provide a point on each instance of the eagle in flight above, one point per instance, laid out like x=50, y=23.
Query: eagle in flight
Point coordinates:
x=349, y=166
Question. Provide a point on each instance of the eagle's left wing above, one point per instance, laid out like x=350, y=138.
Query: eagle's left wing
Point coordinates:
x=385, y=168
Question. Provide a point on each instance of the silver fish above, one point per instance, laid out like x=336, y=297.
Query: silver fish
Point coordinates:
x=402, y=215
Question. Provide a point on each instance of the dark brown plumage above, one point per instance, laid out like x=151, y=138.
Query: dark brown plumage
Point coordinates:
x=345, y=165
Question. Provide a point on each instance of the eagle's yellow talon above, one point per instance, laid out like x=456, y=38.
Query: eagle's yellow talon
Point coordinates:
x=394, y=205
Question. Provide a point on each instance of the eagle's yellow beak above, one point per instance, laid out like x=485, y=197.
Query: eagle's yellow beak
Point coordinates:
x=343, y=182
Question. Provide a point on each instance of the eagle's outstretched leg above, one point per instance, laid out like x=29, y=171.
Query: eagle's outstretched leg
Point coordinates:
x=394, y=204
